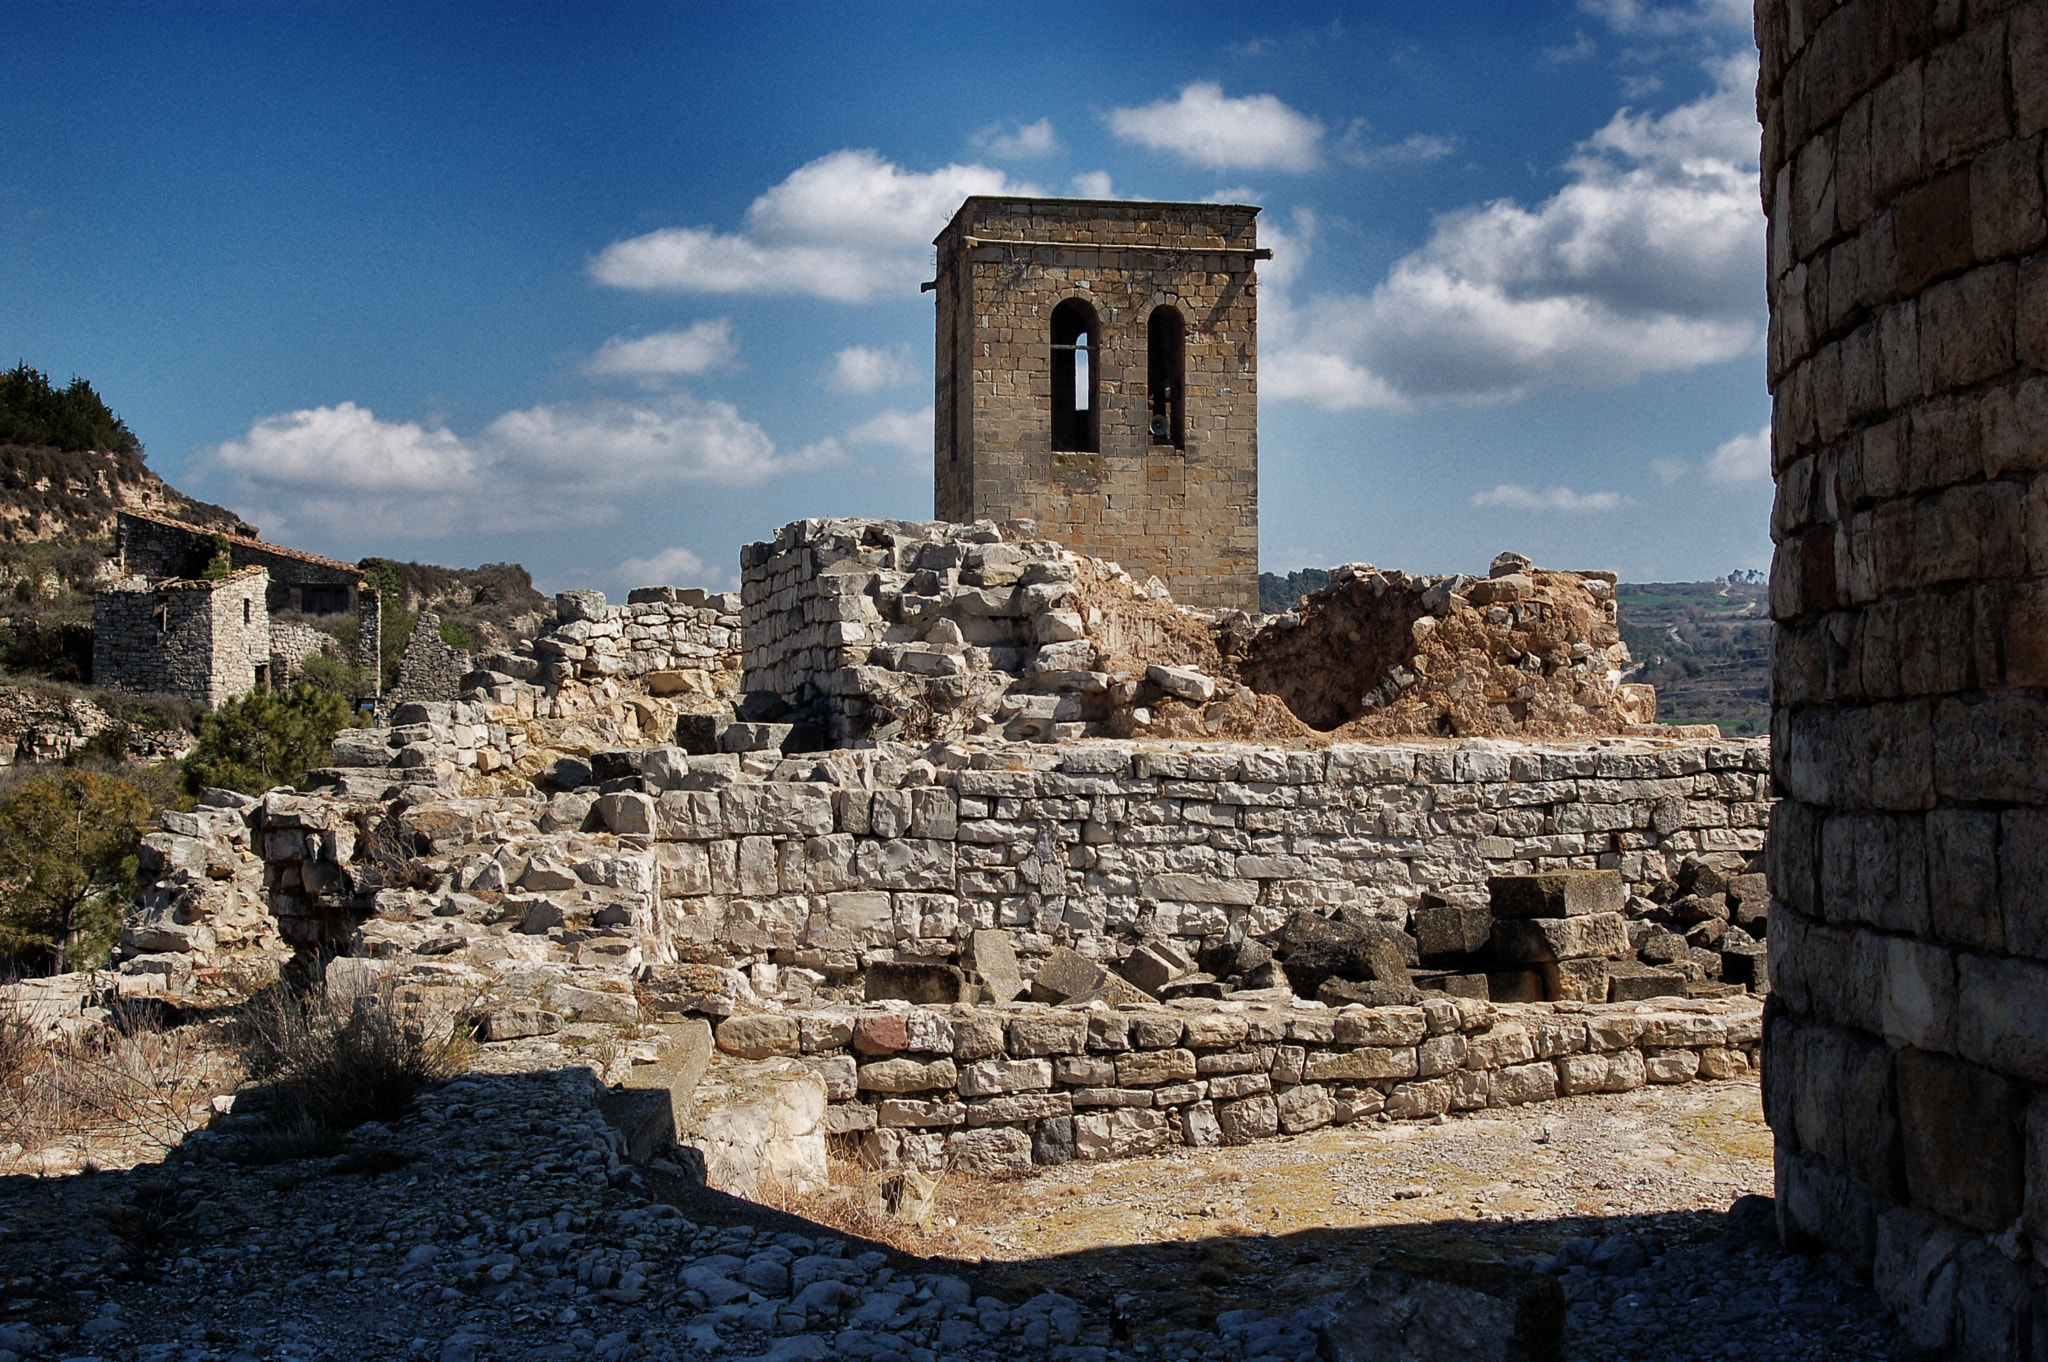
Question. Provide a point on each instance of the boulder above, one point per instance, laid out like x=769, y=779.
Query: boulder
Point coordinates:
x=1558, y=893
x=756, y=1125
x=1183, y=683
x=1156, y=964
x=993, y=959
x=1440, y=1309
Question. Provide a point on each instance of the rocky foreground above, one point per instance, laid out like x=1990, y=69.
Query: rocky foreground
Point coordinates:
x=500, y=1220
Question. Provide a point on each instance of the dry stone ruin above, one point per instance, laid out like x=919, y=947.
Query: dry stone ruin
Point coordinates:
x=1906, y=1046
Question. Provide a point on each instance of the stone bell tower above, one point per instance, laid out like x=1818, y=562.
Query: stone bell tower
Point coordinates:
x=1097, y=371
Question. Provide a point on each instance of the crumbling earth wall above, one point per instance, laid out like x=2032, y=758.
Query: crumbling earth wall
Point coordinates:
x=1906, y=1056
x=872, y=628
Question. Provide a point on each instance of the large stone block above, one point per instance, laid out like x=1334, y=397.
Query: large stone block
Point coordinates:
x=1537, y=940
x=1413, y=1306
x=1558, y=894
x=2002, y=1015
x=2023, y=880
x=1960, y=1128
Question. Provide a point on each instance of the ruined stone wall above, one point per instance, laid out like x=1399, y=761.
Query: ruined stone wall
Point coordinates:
x=678, y=639
x=1001, y=1088
x=1188, y=514
x=291, y=643
x=429, y=669
x=1907, y=1058
x=202, y=640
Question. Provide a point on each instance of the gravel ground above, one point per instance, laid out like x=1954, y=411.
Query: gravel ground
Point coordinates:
x=496, y=1221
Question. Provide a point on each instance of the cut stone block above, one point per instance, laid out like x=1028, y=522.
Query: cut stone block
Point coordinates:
x=1065, y=974
x=1558, y=894
x=1629, y=982
x=1577, y=981
x=914, y=981
x=1156, y=964
x=1449, y=929
x=994, y=961
x=1541, y=940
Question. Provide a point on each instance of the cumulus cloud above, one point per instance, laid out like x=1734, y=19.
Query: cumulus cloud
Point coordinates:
x=1746, y=458
x=1092, y=184
x=846, y=227
x=865, y=369
x=1357, y=148
x=1205, y=127
x=666, y=354
x=1647, y=17
x=1516, y=497
x=674, y=566
x=336, y=469
x=1017, y=141
x=1649, y=260
x=907, y=435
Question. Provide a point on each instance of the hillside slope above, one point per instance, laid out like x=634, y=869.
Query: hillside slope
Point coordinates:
x=1705, y=646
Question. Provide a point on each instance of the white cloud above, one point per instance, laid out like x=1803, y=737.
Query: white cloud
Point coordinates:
x=1092, y=184
x=1649, y=260
x=864, y=369
x=666, y=354
x=1023, y=141
x=905, y=434
x=336, y=469
x=1205, y=127
x=1581, y=48
x=1357, y=148
x=1516, y=497
x=1746, y=458
x=1647, y=17
x=675, y=566
x=1669, y=471
x=846, y=227
x=1240, y=193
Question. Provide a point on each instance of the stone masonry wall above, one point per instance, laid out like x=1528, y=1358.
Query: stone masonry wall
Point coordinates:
x=199, y=639
x=661, y=633
x=1906, y=1056
x=997, y=1089
x=1188, y=515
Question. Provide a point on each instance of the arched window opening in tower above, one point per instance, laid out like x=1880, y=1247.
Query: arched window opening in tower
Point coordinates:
x=1166, y=376
x=1075, y=419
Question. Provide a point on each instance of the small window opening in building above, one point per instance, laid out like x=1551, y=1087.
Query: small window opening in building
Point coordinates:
x=246, y=616
x=1075, y=419
x=1166, y=376
x=262, y=676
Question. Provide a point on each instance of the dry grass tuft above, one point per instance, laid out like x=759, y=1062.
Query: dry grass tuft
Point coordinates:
x=940, y=1217
x=134, y=1079
x=324, y=1066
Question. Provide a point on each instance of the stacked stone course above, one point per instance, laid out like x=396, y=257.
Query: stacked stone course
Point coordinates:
x=1000, y=1088
x=1906, y=1063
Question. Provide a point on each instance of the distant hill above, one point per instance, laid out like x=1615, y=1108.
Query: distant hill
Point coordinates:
x=1278, y=594
x=68, y=463
x=1705, y=646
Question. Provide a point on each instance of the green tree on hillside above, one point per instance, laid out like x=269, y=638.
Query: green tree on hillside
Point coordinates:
x=67, y=864
x=265, y=739
x=34, y=412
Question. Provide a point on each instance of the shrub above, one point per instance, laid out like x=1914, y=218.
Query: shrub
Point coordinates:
x=326, y=1065
x=332, y=676
x=265, y=739
x=33, y=411
x=67, y=864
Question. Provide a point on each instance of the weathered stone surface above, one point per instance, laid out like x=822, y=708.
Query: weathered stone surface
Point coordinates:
x=1558, y=893
x=756, y=1123
x=1435, y=1309
x=1602, y=935
x=760, y=1036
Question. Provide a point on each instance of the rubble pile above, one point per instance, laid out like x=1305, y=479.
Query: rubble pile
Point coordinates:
x=1523, y=652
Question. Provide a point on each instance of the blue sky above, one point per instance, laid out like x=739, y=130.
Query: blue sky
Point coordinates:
x=612, y=289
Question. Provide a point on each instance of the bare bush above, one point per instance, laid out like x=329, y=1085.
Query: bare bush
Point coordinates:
x=134, y=1080
x=325, y=1065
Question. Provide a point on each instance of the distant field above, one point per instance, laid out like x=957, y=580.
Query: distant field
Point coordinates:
x=1706, y=647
